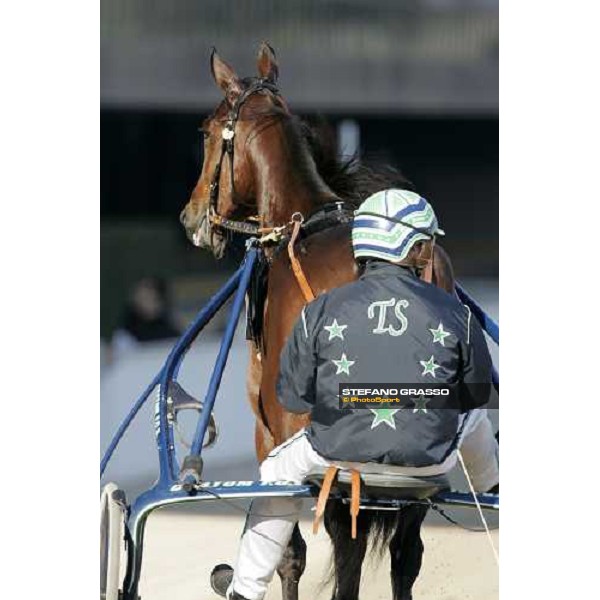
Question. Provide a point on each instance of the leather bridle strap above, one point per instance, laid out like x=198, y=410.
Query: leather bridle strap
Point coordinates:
x=227, y=147
x=238, y=226
x=215, y=218
x=214, y=184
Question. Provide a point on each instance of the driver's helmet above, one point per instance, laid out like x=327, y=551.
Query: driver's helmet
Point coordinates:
x=388, y=224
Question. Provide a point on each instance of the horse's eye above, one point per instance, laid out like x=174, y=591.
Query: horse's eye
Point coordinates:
x=205, y=134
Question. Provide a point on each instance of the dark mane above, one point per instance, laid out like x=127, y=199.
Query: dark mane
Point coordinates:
x=351, y=179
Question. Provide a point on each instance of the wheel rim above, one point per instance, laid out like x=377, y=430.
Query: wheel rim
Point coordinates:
x=111, y=543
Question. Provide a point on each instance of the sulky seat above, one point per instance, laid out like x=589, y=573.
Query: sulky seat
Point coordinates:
x=382, y=483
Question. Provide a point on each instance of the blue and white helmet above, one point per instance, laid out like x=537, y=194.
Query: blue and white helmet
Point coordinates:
x=388, y=224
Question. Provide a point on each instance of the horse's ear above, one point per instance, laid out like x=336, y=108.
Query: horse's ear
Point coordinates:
x=225, y=77
x=267, y=63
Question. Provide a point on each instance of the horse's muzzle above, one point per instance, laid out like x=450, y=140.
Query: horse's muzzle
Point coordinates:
x=183, y=217
x=200, y=233
x=193, y=226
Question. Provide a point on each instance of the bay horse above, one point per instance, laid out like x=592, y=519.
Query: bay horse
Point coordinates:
x=261, y=166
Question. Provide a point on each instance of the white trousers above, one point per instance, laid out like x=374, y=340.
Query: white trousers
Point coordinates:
x=271, y=521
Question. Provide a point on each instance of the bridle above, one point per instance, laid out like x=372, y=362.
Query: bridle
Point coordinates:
x=252, y=225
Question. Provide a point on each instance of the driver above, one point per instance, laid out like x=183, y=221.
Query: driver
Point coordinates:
x=390, y=325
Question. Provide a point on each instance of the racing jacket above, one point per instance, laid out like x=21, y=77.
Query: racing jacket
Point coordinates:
x=388, y=326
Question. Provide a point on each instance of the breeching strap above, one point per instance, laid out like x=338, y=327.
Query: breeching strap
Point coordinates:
x=305, y=288
x=326, y=491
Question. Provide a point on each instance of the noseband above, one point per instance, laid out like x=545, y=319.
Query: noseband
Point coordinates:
x=250, y=226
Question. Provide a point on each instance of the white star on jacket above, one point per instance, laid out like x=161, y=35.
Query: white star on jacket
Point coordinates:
x=429, y=366
x=343, y=364
x=335, y=330
x=439, y=334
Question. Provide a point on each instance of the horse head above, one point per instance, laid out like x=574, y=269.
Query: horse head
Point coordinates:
x=226, y=192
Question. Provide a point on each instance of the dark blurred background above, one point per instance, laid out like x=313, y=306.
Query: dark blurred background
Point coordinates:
x=410, y=82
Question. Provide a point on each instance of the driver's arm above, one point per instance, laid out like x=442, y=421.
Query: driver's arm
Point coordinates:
x=298, y=365
x=477, y=370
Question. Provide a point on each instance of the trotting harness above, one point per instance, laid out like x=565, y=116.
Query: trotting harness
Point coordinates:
x=276, y=234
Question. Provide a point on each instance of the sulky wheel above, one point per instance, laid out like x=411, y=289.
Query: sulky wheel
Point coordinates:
x=112, y=544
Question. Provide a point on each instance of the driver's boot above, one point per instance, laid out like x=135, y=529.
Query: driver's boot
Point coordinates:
x=220, y=580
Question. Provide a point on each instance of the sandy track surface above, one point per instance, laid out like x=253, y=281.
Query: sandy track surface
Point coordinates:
x=181, y=549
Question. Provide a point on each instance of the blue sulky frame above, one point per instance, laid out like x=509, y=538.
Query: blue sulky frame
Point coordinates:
x=177, y=484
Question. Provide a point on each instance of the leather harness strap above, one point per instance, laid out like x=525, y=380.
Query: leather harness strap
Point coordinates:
x=305, y=288
x=355, y=500
x=323, y=496
x=328, y=480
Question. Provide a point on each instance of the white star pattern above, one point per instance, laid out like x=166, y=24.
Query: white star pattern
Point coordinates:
x=384, y=415
x=429, y=366
x=439, y=334
x=343, y=365
x=335, y=330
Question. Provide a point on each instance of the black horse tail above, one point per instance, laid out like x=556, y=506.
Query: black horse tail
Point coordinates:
x=377, y=531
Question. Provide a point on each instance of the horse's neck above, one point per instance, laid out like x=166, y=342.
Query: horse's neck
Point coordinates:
x=281, y=202
x=286, y=186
